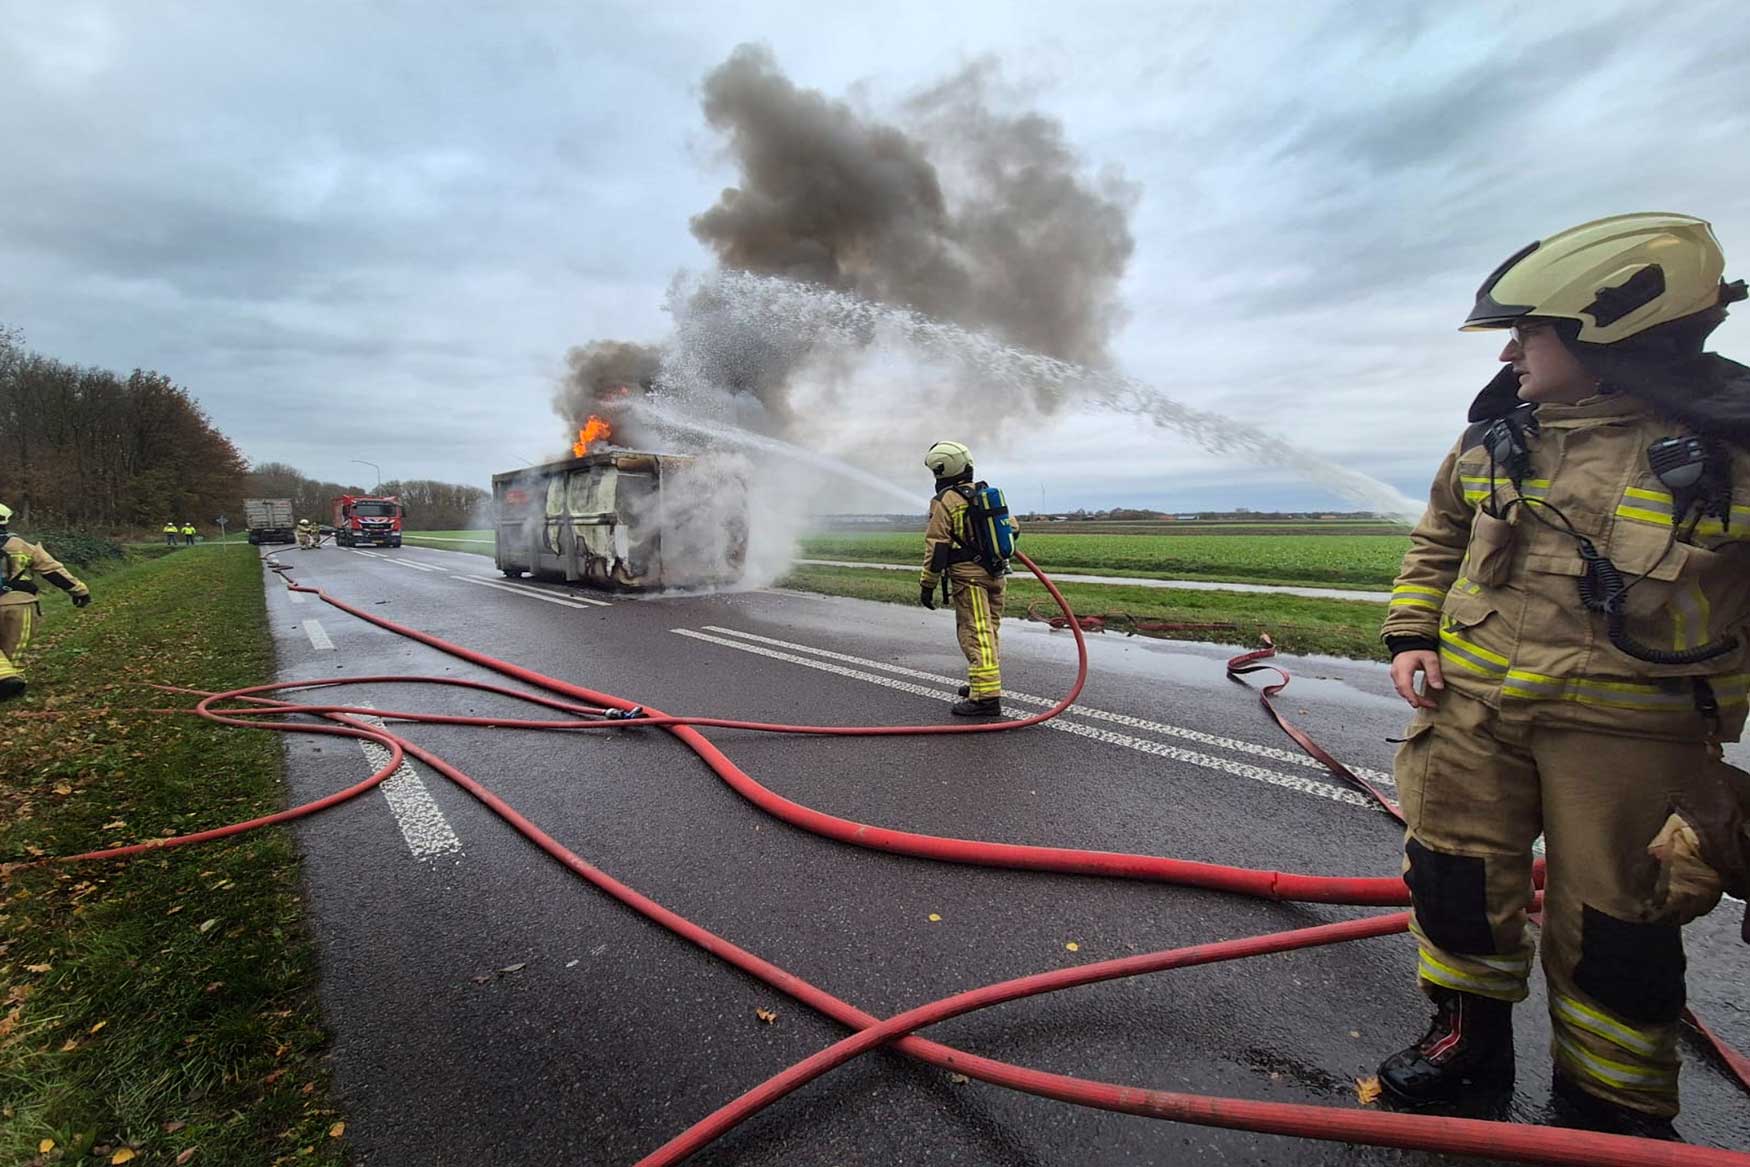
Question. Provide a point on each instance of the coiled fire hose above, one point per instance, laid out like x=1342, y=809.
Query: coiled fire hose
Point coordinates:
x=589, y=710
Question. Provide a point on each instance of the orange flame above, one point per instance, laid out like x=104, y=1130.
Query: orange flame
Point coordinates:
x=595, y=430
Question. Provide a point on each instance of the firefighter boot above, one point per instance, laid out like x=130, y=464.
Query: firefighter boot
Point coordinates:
x=11, y=687
x=1572, y=1107
x=978, y=707
x=964, y=690
x=1467, y=1051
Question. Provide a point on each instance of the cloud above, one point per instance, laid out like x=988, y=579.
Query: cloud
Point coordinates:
x=370, y=231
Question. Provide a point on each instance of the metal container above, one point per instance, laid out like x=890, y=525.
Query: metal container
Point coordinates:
x=622, y=520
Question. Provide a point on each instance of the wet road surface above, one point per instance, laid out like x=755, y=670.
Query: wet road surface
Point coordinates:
x=488, y=1007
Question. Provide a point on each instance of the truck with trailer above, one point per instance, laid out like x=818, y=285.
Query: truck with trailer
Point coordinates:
x=367, y=520
x=269, y=520
x=622, y=520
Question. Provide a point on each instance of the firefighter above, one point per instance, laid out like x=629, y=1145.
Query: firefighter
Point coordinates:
x=170, y=530
x=307, y=534
x=188, y=534
x=976, y=594
x=1570, y=627
x=19, y=605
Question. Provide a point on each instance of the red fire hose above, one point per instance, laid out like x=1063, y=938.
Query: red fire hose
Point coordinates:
x=1457, y=1136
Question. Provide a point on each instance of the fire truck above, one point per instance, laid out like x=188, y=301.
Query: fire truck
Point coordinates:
x=364, y=519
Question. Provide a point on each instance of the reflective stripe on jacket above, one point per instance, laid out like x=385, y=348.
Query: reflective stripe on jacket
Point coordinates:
x=1522, y=641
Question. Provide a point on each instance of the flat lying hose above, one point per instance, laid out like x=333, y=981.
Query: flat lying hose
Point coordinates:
x=1449, y=1135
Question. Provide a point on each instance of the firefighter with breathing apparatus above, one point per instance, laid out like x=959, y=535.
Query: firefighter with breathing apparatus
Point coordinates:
x=966, y=552
x=19, y=606
x=308, y=535
x=1570, y=626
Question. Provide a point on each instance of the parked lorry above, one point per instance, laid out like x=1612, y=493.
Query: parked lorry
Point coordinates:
x=367, y=520
x=270, y=520
x=622, y=520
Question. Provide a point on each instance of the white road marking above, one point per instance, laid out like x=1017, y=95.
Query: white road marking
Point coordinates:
x=1293, y=782
x=391, y=559
x=294, y=597
x=532, y=590
x=318, y=636
x=422, y=824
x=1236, y=745
x=562, y=601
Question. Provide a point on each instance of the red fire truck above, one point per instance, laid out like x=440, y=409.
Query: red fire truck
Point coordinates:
x=368, y=520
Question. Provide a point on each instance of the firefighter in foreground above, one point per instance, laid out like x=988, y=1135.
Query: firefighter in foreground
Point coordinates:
x=1570, y=626
x=966, y=549
x=307, y=534
x=19, y=605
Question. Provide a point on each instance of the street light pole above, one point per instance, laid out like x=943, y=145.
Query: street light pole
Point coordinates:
x=373, y=466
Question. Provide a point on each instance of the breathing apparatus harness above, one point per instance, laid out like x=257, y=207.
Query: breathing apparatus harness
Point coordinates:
x=991, y=530
x=1695, y=470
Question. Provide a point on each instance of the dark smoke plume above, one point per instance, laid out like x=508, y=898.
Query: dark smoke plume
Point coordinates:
x=969, y=214
x=597, y=371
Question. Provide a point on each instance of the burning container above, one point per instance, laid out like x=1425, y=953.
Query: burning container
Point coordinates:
x=623, y=520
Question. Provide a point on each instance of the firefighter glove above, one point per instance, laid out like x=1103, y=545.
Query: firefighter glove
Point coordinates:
x=927, y=596
x=82, y=600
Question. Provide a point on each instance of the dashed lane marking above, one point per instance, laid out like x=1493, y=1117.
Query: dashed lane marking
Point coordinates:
x=1295, y=782
x=318, y=636
x=294, y=597
x=407, y=563
x=578, y=605
x=530, y=589
x=416, y=812
x=1274, y=753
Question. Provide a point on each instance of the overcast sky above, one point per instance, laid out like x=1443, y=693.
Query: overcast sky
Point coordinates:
x=371, y=231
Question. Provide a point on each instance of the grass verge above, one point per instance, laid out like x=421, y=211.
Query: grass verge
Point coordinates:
x=161, y=1009
x=1338, y=627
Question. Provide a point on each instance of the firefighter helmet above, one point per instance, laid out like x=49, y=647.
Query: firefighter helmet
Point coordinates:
x=948, y=459
x=5, y=514
x=1614, y=277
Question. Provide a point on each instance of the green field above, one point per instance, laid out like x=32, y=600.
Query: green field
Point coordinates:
x=1366, y=562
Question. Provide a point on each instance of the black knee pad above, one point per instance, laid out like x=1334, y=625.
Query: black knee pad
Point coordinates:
x=1451, y=898
x=1634, y=970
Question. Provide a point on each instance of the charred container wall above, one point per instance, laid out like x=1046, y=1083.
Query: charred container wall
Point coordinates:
x=621, y=520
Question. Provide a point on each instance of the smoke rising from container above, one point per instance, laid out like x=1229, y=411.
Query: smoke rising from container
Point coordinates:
x=955, y=207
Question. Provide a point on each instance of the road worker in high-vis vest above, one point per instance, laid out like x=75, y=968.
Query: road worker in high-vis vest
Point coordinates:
x=976, y=594
x=22, y=564
x=1570, y=627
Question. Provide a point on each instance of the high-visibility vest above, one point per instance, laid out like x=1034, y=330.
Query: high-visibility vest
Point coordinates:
x=170, y=528
x=188, y=530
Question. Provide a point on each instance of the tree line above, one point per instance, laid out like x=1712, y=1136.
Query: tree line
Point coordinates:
x=90, y=449
x=430, y=505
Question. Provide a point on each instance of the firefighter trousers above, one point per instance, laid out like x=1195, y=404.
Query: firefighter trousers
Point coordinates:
x=978, y=616
x=15, y=626
x=1477, y=790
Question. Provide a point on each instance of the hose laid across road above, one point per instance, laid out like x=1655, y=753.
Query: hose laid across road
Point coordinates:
x=1446, y=1135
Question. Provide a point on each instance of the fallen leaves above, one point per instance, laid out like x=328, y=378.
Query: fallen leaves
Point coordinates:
x=1073, y=946
x=935, y=918
x=98, y=1026
x=209, y=925
x=123, y=1155
x=45, y=1146
x=185, y=1156
x=38, y=968
x=517, y=967
x=338, y=1129
x=1367, y=1091
x=769, y=1016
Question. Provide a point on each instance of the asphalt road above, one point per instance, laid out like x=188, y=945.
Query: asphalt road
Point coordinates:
x=488, y=1007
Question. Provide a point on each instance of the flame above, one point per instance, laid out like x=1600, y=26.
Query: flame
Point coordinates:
x=595, y=431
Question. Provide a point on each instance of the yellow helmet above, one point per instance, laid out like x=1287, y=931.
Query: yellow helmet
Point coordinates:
x=1614, y=277
x=948, y=459
x=5, y=514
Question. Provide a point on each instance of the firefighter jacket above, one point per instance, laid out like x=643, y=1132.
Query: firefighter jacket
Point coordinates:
x=23, y=563
x=170, y=528
x=948, y=541
x=1500, y=597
